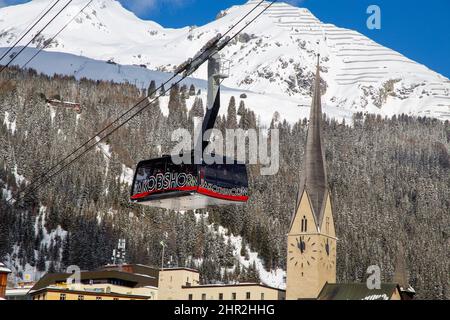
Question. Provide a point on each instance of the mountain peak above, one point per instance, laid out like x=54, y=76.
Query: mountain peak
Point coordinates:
x=275, y=55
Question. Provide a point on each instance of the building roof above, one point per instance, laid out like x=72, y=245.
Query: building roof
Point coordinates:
x=247, y=284
x=135, y=280
x=356, y=291
x=132, y=268
x=17, y=291
x=314, y=176
x=4, y=269
x=180, y=268
x=143, y=269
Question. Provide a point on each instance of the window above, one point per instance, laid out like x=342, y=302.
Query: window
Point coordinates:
x=262, y=295
x=304, y=227
x=233, y=296
x=62, y=296
x=247, y=296
x=327, y=225
x=80, y=297
x=190, y=296
x=220, y=296
x=98, y=298
x=203, y=296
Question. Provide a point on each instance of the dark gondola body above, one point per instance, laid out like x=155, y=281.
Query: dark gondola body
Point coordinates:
x=163, y=184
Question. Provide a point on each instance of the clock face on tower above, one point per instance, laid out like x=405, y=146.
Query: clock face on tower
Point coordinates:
x=305, y=249
x=329, y=257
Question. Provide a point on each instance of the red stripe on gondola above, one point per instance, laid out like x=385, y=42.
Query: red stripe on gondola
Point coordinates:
x=148, y=193
x=200, y=190
x=222, y=196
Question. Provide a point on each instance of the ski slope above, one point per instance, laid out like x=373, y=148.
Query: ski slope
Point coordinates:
x=273, y=59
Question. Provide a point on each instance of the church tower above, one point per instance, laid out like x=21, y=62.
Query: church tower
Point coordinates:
x=311, y=243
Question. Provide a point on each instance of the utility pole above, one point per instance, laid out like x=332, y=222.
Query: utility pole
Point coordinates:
x=162, y=256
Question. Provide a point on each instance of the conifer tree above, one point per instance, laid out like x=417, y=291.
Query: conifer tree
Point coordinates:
x=231, y=121
x=151, y=89
x=192, y=90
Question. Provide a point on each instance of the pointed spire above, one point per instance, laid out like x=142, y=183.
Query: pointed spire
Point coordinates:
x=314, y=175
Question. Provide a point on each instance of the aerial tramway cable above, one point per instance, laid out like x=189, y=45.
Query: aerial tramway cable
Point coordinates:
x=150, y=102
x=34, y=38
x=28, y=29
x=48, y=42
x=136, y=105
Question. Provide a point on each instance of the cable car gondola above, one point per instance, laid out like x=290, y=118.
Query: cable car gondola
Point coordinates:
x=162, y=183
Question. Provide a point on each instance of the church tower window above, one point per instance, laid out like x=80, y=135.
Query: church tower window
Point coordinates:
x=304, y=227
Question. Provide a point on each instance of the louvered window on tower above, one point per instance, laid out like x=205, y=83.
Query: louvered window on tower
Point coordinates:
x=304, y=224
x=327, y=226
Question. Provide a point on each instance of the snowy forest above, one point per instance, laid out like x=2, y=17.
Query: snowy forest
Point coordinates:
x=389, y=180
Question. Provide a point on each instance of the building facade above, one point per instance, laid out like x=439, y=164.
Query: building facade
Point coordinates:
x=107, y=283
x=241, y=291
x=4, y=272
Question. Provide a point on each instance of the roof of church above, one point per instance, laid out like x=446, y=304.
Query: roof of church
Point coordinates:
x=356, y=291
x=314, y=175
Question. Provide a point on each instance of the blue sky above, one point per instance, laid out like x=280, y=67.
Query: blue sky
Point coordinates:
x=416, y=28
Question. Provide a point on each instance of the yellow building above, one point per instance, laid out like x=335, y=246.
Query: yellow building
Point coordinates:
x=184, y=284
x=172, y=280
x=107, y=284
x=241, y=291
x=58, y=293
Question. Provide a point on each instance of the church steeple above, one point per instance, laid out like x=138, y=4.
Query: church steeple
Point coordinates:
x=311, y=239
x=314, y=175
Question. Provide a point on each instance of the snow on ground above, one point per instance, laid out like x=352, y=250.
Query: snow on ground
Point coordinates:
x=51, y=63
x=10, y=124
x=7, y=195
x=47, y=237
x=103, y=148
x=127, y=175
x=28, y=271
x=19, y=178
x=52, y=112
x=273, y=278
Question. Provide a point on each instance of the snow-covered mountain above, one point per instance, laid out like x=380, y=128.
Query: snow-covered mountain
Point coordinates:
x=272, y=60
